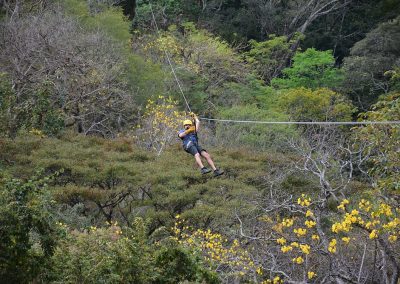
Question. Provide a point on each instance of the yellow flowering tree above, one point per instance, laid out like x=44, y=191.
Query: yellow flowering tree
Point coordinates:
x=306, y=245
x=207, y=67
x=160, y=123
x=230, y=258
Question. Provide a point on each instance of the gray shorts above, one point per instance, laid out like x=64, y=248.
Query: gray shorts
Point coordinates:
x=194, y=148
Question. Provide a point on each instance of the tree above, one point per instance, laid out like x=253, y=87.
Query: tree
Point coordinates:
x=310, y=69
x=328, y=154
x=262, y=18
x=383, y=144
x=204, y=63
x=115, y=254
x=341, y=29
x=305, y=243
x=369, y=59
x=270, y=56
x=159, y=124
x=27, y=229
x=320, y=105
x=84, y=67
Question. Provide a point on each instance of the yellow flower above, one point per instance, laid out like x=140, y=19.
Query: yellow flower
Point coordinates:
x=354, y=212
x=286, y=249
x=294, y=244
x=281, y=241
x=305, y=248
x=392, y=224
x=287, y=222
x=343, y=204
x=315, y=237
x=332, y=246
x=277, y=280
x=309, y=213
x=300, y=232
x=392, y=238
x=304, y=201
x=310, y=224
x=364, y=205
x=385, y=209
x=311, y=274
x=373, y=235
x=259, y=270
x=337, y=227
x=298, y=260
x=346, y=240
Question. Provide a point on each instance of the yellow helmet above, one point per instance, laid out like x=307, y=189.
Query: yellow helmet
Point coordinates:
x=187, y=122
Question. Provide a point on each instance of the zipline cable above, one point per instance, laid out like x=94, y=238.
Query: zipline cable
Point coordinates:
x=258, y=121
x=302, y=122
x=169, y=60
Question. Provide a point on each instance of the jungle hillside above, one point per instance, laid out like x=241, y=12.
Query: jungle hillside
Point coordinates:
x=96, y=187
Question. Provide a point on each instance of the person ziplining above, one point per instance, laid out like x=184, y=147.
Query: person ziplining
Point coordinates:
x=191, y=145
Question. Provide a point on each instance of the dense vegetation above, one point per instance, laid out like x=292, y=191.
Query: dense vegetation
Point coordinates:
x=94, y=185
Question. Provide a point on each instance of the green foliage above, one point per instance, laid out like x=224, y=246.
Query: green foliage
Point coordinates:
x=369, y=59
x=142, y=76
x=109, y=179
x=115, y=24
x=257, y=136
x=170, y=8
x=44, y=115
x=205, y=64
x=310, y=69
x=37, y=112
x=106, y=18
x=112, y=254
x=7, y=100
x=394, y=79
x=319, y=105
x=27, y=229
x=343, y=28
x=178, y=264
x=270, y=56
x=383, y=142
x=102, y=255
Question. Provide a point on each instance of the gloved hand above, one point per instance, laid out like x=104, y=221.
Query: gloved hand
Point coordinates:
x=190, y=129
x=194, y=116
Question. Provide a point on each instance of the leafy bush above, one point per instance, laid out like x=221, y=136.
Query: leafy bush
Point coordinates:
x=122, y=255
x=27, y=229
x=310, y=69
x=270, y=56
x=369, y=60
x=256, y=136
x=304, y=104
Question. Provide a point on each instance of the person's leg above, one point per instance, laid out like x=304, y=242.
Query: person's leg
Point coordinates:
x=196, y=154
x=209, y=160
x=198, y=160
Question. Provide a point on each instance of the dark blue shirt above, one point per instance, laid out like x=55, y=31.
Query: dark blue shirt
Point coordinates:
x=191, y=137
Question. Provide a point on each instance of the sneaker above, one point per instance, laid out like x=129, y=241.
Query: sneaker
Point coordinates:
x=205, y=170
x=218, y=172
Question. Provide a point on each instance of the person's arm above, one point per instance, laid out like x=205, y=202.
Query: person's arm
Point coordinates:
x=182, y=134
x=197, y=122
